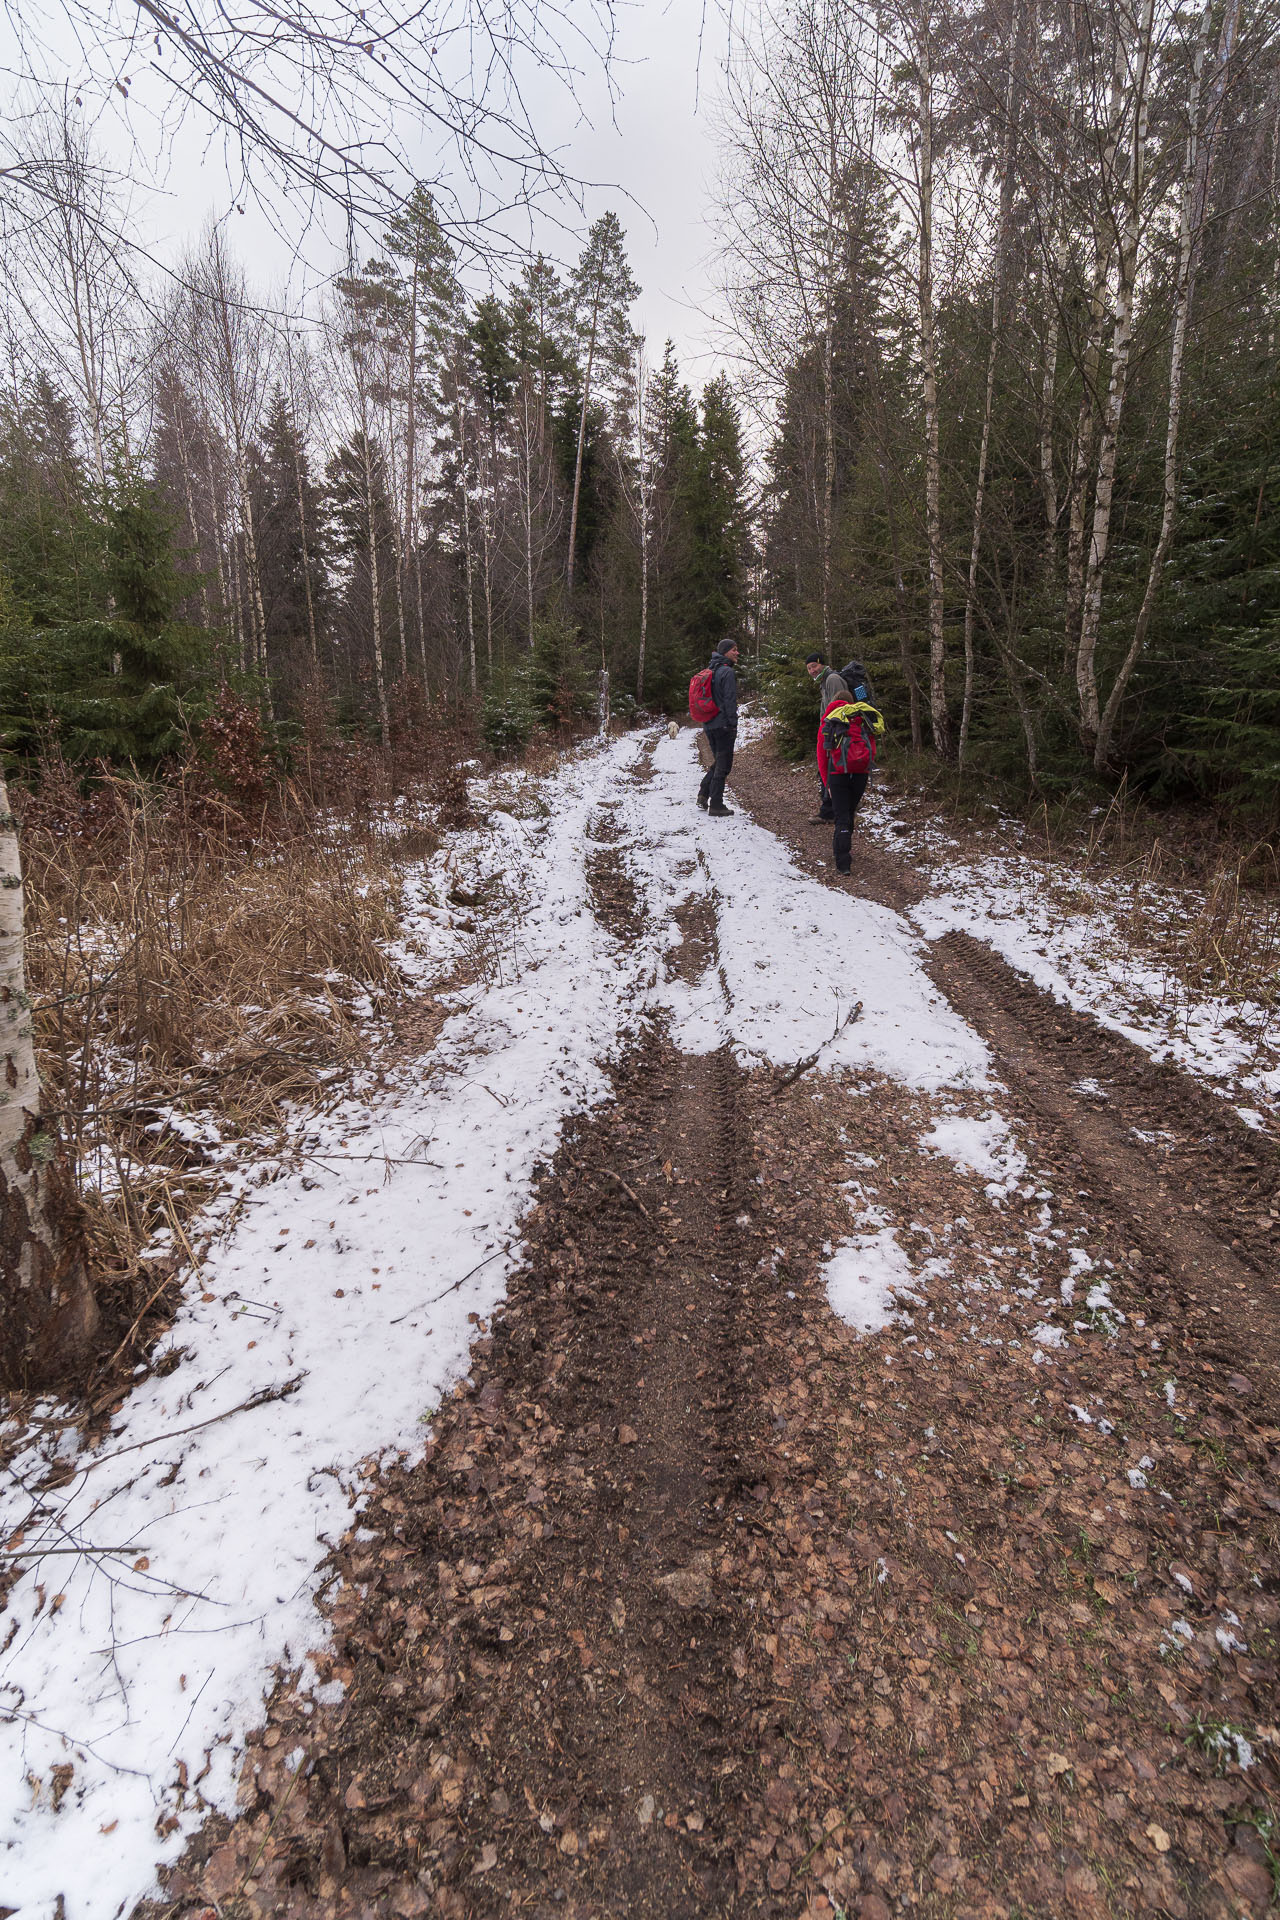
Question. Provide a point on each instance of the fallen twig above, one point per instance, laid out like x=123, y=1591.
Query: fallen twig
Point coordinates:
x=43, y=1553
x=630, y=1192
x=811, y=1060
x=8, y=1714
x=435, y=1298
x=793, y=1074
x=385, y=1159
x=260, y=1399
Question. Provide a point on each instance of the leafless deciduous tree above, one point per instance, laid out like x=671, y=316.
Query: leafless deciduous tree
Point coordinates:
x=1046, y=179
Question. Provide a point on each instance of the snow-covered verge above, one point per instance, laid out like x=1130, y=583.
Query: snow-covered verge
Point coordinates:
x=177, y=1567
x=1093, y=939
x=178, y=1563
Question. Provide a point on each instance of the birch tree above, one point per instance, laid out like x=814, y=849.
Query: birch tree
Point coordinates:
x=1194, y=199
x=1138, y=60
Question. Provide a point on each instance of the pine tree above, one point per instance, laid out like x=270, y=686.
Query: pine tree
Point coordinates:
x=603, y=292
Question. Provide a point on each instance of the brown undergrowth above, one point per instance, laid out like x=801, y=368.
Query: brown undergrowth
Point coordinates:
x=204, y=954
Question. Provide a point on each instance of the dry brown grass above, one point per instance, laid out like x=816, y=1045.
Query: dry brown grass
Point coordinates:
x=193, y=974
x=1227, y=942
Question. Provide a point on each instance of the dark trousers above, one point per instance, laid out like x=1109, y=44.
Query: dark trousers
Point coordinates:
x=712, y=788
x=846, y=790
x=824, y=802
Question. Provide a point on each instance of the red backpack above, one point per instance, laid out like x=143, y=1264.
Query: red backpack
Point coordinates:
x=850, y=742
x=702, y=704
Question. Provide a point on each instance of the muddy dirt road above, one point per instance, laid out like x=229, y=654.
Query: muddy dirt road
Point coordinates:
x=707, y=1602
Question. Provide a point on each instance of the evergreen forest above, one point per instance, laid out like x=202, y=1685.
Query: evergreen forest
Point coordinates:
x=494, y=509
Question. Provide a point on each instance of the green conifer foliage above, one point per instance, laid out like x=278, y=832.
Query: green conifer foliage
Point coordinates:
x=93, y=655
x=556, y=676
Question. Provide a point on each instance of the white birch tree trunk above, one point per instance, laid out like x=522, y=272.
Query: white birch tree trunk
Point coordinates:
x=984, y=447
x=1191, y=223
x=1091, y=358
x=1121, y=351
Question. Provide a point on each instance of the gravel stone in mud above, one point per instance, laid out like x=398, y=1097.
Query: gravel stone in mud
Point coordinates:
x=703, y=1604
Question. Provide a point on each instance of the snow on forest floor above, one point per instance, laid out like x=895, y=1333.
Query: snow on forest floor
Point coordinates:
x=172, y=1568
x=1110, y=944
x=169, y=1574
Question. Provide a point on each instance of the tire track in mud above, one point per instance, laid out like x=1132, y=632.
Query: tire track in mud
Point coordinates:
x=1187, y=1184
x=534, y=1628
x=1196, y=1218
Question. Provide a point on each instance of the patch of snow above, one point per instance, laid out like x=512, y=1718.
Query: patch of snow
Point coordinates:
x=1088, y=961
x=795, y=957
x=864, y=1277
x=1047, y=1335
x=1231, y=1744
x=982, y=1146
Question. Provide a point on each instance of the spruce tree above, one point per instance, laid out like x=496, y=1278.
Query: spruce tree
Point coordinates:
x=288, y=507
x=717, y=515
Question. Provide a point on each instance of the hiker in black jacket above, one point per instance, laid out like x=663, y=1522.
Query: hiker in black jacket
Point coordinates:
x=723, y=730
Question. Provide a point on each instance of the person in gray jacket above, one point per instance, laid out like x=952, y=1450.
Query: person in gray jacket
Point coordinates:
x=723, y=730
x=833, y=688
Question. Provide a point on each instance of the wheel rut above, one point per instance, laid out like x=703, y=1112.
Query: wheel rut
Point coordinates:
x=1188, y=1186
x=533, y=1627
x=1197, y=1208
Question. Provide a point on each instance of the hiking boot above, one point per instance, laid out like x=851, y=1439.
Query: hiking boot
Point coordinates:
x=721, y=812
x=821, y=819
x=702, y=801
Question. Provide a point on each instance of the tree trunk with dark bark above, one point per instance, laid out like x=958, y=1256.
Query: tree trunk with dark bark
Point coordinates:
x=48, y=1314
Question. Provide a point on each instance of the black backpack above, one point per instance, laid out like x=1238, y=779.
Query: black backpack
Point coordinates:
x=855, y=678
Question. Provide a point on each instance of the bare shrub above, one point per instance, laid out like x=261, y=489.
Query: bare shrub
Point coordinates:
x=196, y=964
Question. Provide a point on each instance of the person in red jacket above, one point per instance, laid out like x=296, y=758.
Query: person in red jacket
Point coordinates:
x=848, y=737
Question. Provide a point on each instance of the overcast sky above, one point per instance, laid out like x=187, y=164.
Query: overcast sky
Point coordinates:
x=663, y=152
x=652, y=153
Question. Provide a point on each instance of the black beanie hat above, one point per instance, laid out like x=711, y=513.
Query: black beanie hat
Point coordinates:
x=813, y=659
